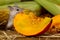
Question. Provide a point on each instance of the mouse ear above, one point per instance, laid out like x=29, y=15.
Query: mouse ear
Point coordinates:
x=10, y=8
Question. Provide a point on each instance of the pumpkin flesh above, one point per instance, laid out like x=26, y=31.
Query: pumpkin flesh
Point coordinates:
x=30, y=24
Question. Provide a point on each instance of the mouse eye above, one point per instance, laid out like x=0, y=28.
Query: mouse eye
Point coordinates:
x=17, y=9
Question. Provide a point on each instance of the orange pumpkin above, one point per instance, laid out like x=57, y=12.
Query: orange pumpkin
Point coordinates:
x=55, y=27
x=29, y=24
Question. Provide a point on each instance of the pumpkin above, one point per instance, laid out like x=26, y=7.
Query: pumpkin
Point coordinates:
x=28, y=24
x=55, y=27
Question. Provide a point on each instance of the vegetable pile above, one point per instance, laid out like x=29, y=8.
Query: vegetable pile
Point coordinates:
x=35, y=18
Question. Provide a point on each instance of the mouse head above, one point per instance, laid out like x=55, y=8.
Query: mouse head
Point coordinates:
x=15, y=9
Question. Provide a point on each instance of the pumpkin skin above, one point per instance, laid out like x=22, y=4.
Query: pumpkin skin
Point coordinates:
x=30, y=25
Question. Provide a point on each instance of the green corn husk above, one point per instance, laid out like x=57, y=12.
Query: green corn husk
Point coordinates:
x=26, y=5
x=4, y=10
x=25, y=0
x=53, y=8
x=3, y=2
x=55, y=1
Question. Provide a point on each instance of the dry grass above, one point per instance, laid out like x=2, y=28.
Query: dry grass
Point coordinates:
x=13, y=35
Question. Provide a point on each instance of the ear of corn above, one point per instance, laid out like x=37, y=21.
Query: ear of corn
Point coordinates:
x=2, y=2
x=50, y=6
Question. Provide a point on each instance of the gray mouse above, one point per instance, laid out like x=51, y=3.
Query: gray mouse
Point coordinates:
x=13, y=11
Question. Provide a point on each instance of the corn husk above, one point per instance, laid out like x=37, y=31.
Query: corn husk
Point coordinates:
x=52, y=7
